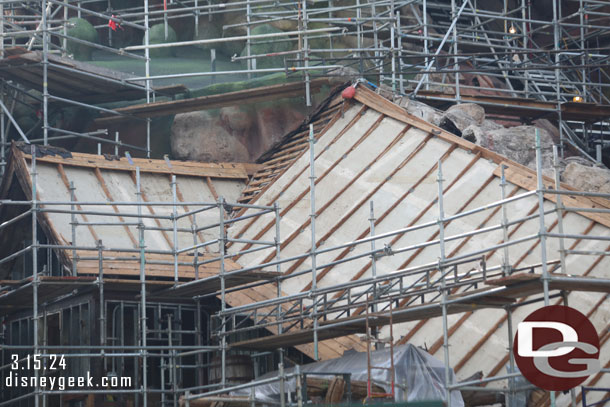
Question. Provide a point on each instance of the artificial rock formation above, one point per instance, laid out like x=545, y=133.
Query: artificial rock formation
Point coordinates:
x=157, y=36
x=519, y=144
x=82, y=30
x=238, y=134
x=586, y=177
x=421, y=110
x=462, y=115
x=201, y=136
x=468, y=121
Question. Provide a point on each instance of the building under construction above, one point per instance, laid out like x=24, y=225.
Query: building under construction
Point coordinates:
x=267, y=202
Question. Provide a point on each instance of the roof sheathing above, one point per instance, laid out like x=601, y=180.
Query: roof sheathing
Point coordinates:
x=110, y=181
x=374, y=150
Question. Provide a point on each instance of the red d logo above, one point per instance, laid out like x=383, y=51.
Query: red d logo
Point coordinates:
x=556, y=348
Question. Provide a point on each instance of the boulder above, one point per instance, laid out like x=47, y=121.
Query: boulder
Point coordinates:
x=519, y=144
x=232, y=48
x=458, y=117
x=475, y=133
x=587, y=178
x=421, y=110
x=236, y=119
x=83, y=30
x=201, y=136
x=343, y=74
x=239, y=134
x=272, y=123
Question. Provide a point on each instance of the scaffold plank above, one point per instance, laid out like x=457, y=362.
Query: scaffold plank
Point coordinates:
x=76, y=80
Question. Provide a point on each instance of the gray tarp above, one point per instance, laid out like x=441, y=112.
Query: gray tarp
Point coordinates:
x=419, y=376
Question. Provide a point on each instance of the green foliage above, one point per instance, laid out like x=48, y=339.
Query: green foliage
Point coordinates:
x=82, y=30
x=156, y=35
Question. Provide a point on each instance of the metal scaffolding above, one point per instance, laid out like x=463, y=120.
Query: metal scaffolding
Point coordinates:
x=431, y=54
x=162, y=330
x=431, y=50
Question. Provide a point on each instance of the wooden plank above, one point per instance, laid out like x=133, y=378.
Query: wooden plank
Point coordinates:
x=357, y=325
x=345, y=217
x=255, y=95
x=376, y=102
x=528, y=181
x=226, y=170
x=535, y=280
x=186, y=209
x=522, y=107
x=516, y=174
x=499, y=323
x=83, y=81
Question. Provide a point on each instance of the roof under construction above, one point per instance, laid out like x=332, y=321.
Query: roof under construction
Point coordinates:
x=243, y=211
x=371, y=150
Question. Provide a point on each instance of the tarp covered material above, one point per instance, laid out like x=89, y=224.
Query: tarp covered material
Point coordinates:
x=419, y=376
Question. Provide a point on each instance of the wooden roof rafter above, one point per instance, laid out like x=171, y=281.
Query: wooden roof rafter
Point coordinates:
x=518, y=176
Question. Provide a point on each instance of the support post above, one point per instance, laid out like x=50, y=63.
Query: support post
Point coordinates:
x=2, y=129
x=223, y=303
x=73, y=223
x=45, y=74
x=100, y=282
x=282, y=385
x=373, y=271
x=306, y=57
x=506, y=267
x=35, y=276
x=147, y=72
x=116, y=143
x=456, y=60
x=312, y=215
x=299, y=385
x=511, y=357
x=248, y=40
x=278, y=269
x=441, y=260
x=175, y=229
x=142, y=287
x=559, y=208
x=542, y=226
